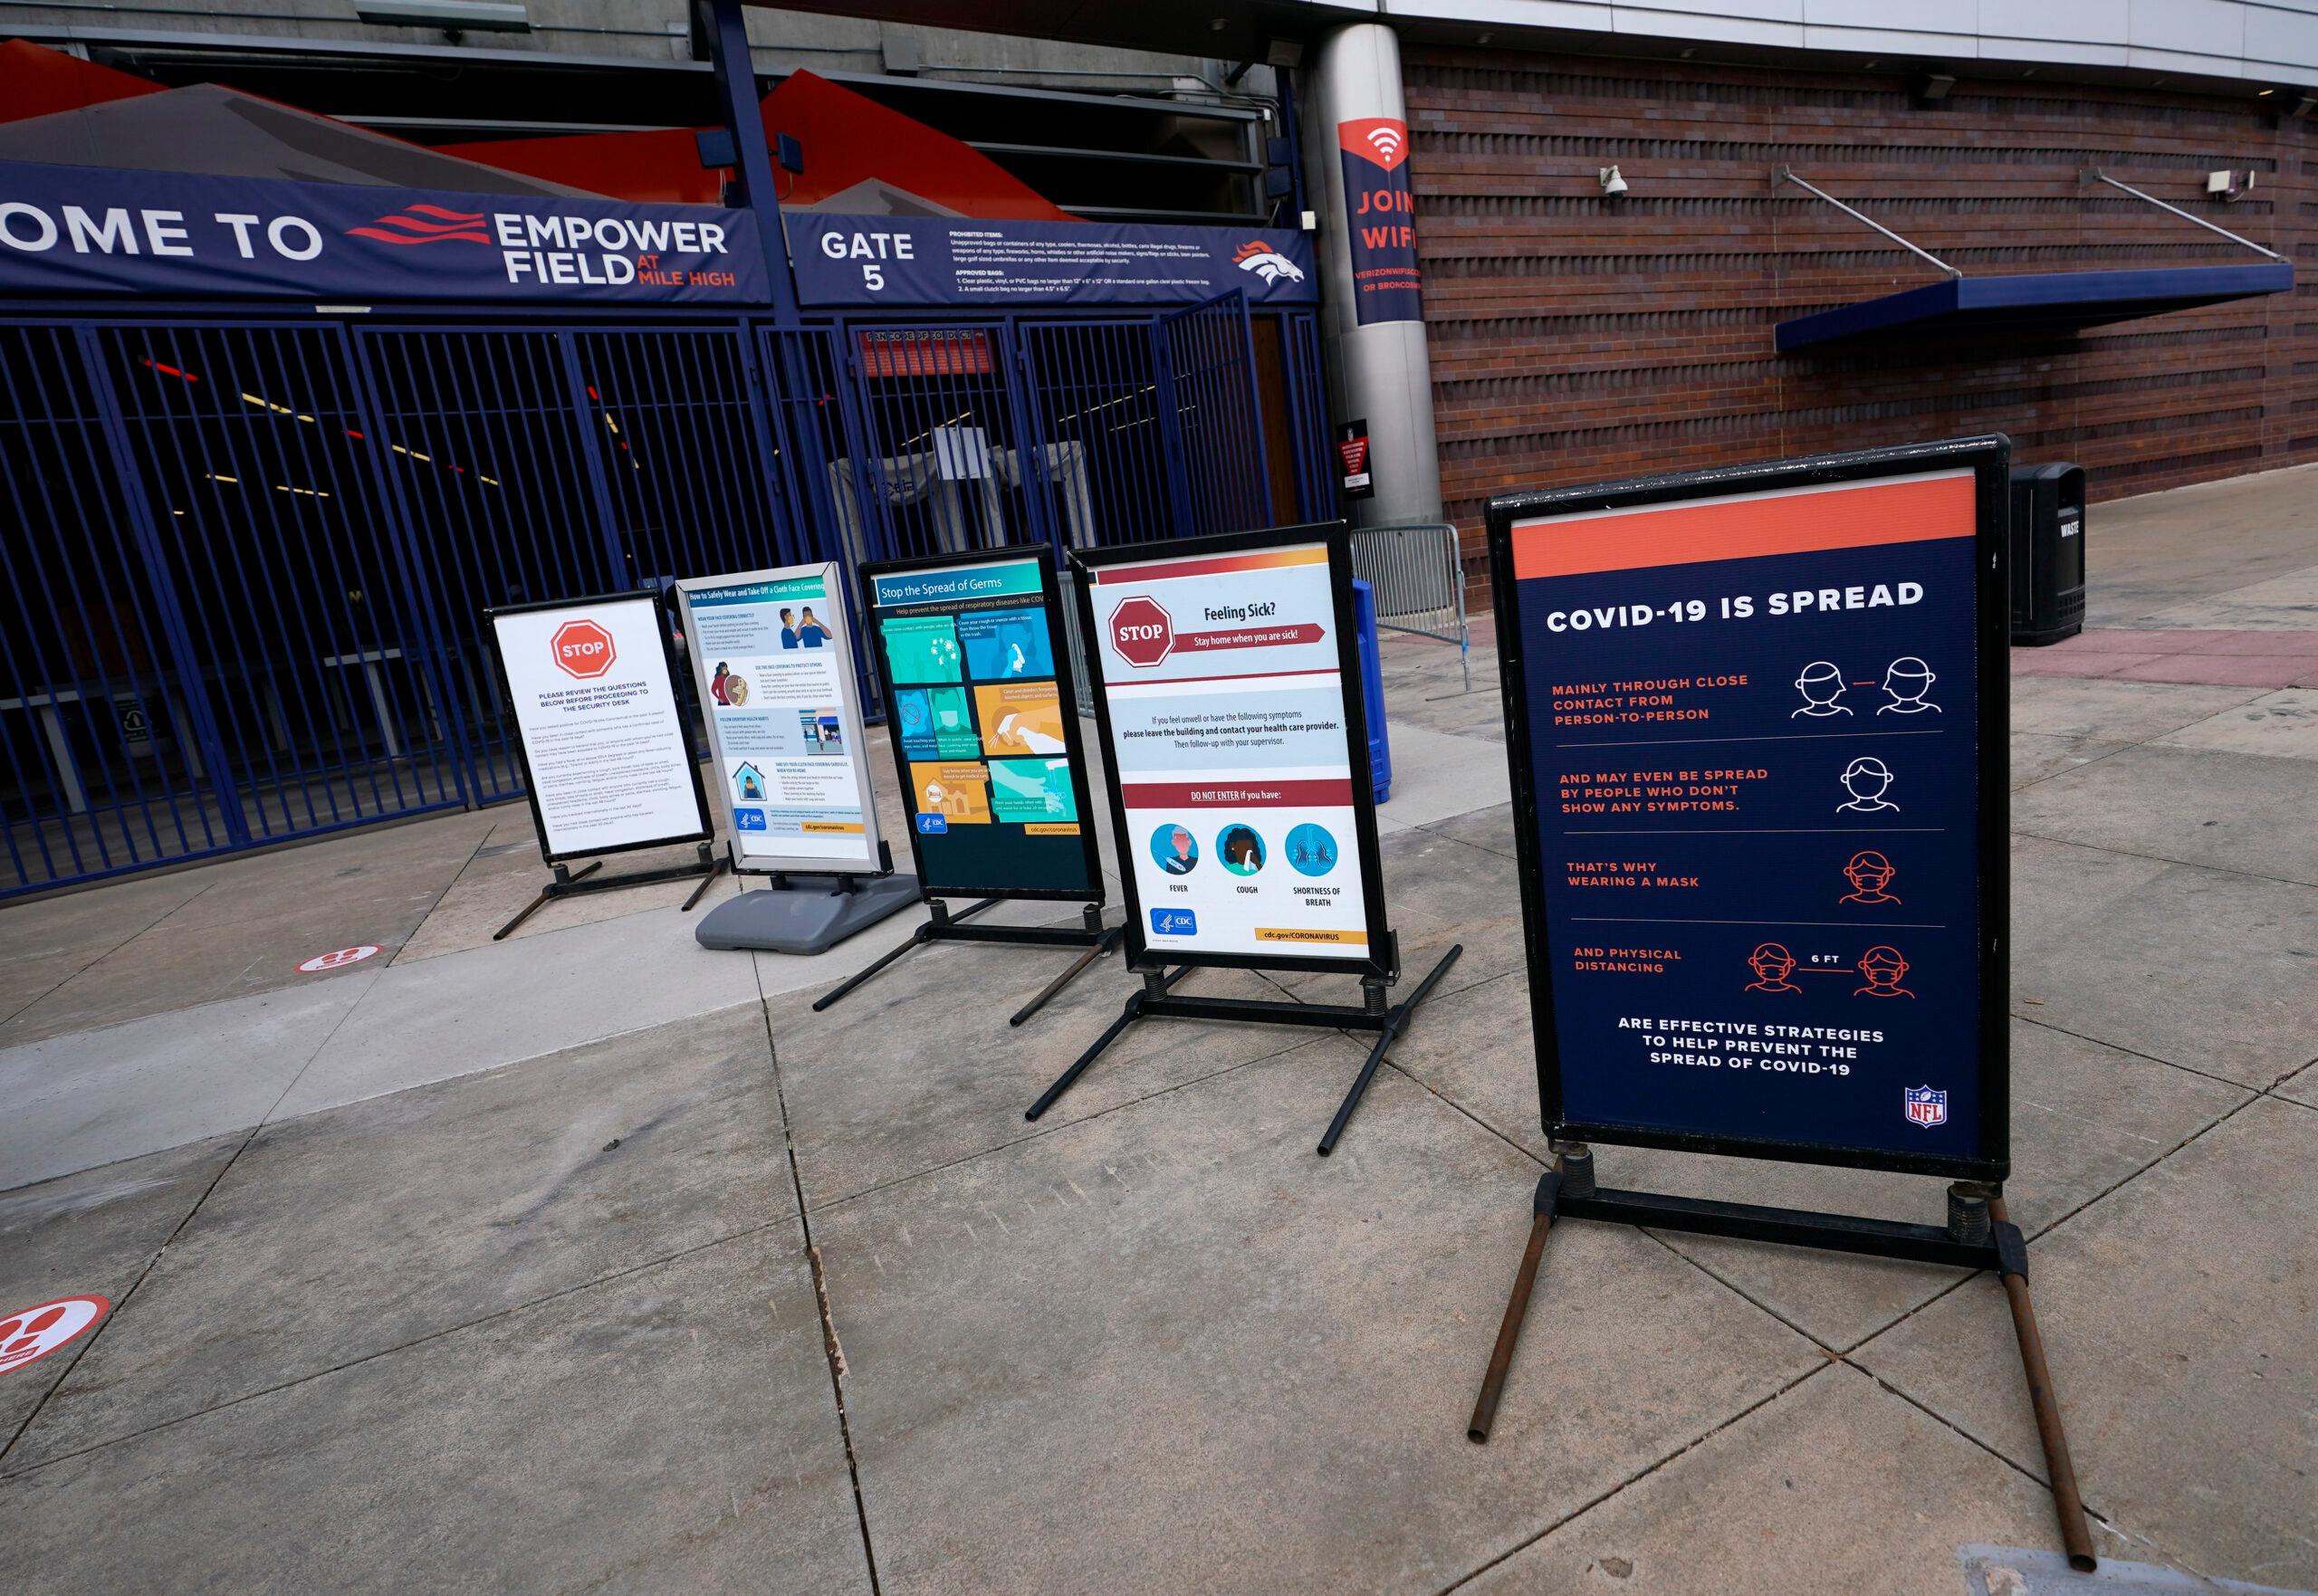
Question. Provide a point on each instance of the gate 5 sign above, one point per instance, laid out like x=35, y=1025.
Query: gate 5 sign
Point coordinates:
x=986, y=739
x=606, y=756
x=1226, y=679
x=771, y=655
x=1758, y=725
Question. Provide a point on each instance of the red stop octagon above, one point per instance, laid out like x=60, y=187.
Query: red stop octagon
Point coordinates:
x=1141, y=632
x=583, y=649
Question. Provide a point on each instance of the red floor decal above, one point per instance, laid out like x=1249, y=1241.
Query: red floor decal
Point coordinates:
x=28, y=1336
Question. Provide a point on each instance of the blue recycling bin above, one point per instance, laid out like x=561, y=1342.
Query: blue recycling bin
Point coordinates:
x=1372, y=690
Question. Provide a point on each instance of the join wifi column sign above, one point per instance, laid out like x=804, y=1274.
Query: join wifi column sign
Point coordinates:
x=1380, y=219
x=1758, y=724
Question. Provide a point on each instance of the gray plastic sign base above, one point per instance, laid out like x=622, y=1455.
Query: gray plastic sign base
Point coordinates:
x=804, y=919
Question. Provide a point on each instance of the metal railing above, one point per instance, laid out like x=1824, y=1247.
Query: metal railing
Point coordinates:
x=1419, y=582
x=248, y=556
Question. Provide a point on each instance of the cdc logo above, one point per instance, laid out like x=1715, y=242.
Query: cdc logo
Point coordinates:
x=747, y=819
x=1173, y=922
x=933, y=825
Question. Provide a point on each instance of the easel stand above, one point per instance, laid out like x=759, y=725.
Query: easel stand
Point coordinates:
x=946, y=927
x=570, y=883
x=1155, y=999
x=786, y=917
x=1979, y=1234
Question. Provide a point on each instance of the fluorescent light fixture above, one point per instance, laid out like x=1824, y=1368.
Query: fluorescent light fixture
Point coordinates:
x=474, y=16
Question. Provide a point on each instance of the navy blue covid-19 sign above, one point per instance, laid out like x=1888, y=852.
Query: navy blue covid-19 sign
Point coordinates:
x=1750, y=727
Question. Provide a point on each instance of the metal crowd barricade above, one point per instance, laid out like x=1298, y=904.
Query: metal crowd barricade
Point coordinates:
x=1418, y=581
x=1078, y=683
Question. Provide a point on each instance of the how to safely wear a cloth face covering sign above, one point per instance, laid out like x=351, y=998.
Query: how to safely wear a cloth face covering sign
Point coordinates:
x=777, y=686
x=1226, y=695
x=610, y=768
x=1752, y=744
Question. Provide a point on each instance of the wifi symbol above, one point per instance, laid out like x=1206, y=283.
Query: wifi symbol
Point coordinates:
x=1387, y=142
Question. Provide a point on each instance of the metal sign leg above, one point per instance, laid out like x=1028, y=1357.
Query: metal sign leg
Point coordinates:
x=917, y=939
x=1111, y=939
x=1517, y=1306
x=1394, y=1022
x=1979, y=1234
x=2012, y=1251
x=1155, y=984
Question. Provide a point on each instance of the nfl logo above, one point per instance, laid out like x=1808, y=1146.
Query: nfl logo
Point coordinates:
x=1925, y=1106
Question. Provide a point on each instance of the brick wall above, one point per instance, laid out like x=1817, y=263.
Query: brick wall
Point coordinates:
x=1579, y=339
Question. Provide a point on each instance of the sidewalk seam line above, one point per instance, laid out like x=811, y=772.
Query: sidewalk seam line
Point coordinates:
x=47, y=992
x=1635, y=1478
x=415, y=1340
x=161, y=1251
x=2101, y=847
x=2154, y=1058
x=832, y=1354
x=1047, y=1130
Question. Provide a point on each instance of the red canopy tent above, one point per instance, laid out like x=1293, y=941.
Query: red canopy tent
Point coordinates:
x=39, y=82
x=854, y=147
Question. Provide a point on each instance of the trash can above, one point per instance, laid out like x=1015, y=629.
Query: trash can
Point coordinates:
x=2047, y=553
x=1372, y=690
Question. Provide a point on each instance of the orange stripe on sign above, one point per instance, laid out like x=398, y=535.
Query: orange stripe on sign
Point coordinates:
x=1851, y=515
x=1155, y=570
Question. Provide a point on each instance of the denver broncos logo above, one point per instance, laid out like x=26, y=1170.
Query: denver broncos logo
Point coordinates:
x=425, y=223
x=1265, y=261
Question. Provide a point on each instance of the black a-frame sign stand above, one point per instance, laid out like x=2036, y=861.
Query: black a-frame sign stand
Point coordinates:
x=948, y=926
x=1930, y=515
x=948, y=589
x=568, y=883
x=1979, y=1234
x=1156, y=999
x=1314, y=616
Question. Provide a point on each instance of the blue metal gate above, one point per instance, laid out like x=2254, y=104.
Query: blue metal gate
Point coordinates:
x=1210, y=419
x=247, y=560
x=541, y=464
x=234, y=651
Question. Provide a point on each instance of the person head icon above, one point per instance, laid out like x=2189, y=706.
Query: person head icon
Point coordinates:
x=1867, y=778
x=1821, y=683
x=1243, y=850
x=1883, y=969
x=1175, y=849
x=1869, y=872
x=1772, y=965
x=1907, y=681
x=787, y=617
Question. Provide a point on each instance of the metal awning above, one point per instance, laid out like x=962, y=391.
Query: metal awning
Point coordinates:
x=2044, y=300
x=2035, y=300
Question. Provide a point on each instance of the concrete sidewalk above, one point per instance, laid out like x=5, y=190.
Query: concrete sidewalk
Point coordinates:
x=593, y=1259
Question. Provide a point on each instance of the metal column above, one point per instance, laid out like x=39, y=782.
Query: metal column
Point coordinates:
x=1379, y=372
